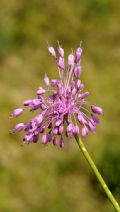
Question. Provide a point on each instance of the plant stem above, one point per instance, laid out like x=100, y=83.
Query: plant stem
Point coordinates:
x=96, y=172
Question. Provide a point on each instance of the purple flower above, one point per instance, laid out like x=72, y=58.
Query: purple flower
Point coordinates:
x=62, y=107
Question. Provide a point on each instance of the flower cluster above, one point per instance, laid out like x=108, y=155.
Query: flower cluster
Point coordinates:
x=62, y=107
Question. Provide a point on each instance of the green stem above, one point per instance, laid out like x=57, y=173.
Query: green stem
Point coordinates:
x=96, y=172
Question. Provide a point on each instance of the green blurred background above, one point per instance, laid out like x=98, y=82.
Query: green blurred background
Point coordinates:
x=37, y=178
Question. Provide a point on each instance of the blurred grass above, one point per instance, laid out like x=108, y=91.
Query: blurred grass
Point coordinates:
x=34, y=178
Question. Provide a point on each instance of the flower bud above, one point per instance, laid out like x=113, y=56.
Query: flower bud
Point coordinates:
x=61, y=51
x=84, y=131
x=62, y=144
x=16, y=112
x=58, y=122
x=60, y=63
x=76, y=130
x=78, y=55
x=84, y=95
x=55, y=131
x=40, y=91
x=44, y=139
x=52, y=51
x=39, y=118
x=74, y=91
x=78, y=84
x=60, y=129
x=97, y=110
x=77, y=71
x=54, y=82
x=95, y=119
x=35, y=138
x=71, y=60
x=91, y=127
x=28, y=126
x=81, y=119
x=27, y=102
x=55, y=141
x=18, y=127
x=49, y=137
x=70, y=128
x=46, y=80
x=28, y=137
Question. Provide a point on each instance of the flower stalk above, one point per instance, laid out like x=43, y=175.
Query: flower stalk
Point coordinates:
x=97, y=173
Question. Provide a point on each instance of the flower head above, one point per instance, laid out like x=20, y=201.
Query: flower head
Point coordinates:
x=63, y=110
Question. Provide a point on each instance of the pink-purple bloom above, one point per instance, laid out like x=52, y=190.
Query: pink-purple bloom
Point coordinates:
x=62, y=106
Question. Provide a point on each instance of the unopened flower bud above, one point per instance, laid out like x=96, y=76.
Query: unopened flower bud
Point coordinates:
x=91, y=127
x=71, y=60
x=35, y=138
x=55, y=131
x=78, y=55
x=76, y=130
x=84, y=95
x=46, y=80
x=54, y=82
x=70, y=128
x=78, y=71
x=44, y=139
x=97, y=110
x=60, y=129
x=62, y=144
x=58, y=122
x=61, y=51
x=74, y=91
x=78, y=84
x=60, y=63
x=84, y=131
x=95, y=119
x=40, y=91
x=81, y=119
x=39, y=118
x=28, y=138
x=52, y=51
x=16, y=112
x=55, y=141
x=49, y=137
x=27, y=102
x=18, y=127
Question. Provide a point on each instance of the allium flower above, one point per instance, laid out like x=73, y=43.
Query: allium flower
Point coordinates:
x=63, y=110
